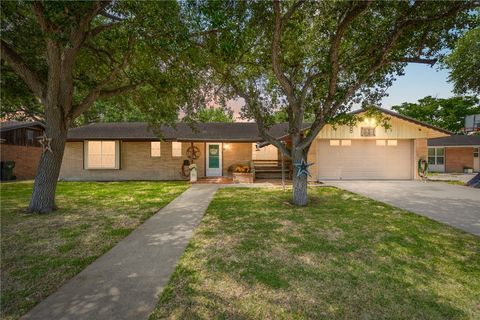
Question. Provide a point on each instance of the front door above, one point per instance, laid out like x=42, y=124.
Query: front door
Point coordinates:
x=214, y=160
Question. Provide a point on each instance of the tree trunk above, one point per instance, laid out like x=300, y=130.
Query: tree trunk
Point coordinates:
x=300, y=197
x=43, y=196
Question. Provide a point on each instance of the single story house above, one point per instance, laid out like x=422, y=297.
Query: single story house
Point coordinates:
x=132, y=151
x=454, y=153
x=19, y=143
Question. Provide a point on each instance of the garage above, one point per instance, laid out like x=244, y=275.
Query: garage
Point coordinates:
x=364, y=159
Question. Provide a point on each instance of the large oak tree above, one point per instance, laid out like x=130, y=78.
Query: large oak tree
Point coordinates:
x=71, y=54
x=319, y=57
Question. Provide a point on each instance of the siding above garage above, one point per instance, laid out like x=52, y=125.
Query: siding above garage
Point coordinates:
x=400, y=129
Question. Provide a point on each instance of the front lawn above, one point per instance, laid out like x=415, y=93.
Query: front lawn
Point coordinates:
x=41, y=252
x=255, y=256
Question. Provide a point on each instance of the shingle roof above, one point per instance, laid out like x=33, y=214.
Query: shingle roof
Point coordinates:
x=238, y=131
x=458, y=140
x=11, y=125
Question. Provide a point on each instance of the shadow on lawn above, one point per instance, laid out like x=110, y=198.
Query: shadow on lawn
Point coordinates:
x=254, y=256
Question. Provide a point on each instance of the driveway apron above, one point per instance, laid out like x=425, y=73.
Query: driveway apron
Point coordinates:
x=457, y=206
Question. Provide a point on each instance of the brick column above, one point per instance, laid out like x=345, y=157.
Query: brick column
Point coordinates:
x=420, y=152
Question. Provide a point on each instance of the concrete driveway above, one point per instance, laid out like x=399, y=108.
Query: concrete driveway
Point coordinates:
x=454, y=205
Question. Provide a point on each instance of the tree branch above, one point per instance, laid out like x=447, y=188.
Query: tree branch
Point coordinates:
x=285, y=83
x=402, y=25
x=336, y=42
x=292, y=10
x=99, y=91
x=99, y=29
x=430, y=62
x=259, y=119
x=23, y=70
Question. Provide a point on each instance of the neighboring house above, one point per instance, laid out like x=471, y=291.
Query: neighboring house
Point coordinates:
x=131, y=151
x=454, y=153
x=19, y=143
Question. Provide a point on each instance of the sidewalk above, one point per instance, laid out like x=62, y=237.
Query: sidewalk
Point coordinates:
x=125, y=282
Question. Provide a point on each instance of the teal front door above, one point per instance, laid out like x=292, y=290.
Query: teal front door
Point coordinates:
x=214, y=159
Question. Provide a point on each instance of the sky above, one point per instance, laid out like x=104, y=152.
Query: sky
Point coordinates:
x=418, y=81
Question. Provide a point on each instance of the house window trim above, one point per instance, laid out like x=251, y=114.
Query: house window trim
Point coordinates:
x=476, y=152
x=159, y=149
x=117, y=155
x=181, y=146
x=436, y=156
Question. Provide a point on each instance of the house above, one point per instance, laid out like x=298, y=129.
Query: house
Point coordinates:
x=454, y=153
x=19, y=143
x=132, y=151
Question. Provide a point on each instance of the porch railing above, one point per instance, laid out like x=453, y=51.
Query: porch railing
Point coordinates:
x=272, y=168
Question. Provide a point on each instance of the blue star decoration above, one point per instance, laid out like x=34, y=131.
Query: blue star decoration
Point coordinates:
x=302, y=168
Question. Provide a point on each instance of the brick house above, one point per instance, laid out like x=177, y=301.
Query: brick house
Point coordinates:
x=19, y=143
x=454, y=153
x=133, y=151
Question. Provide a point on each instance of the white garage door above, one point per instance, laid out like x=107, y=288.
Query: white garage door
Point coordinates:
x=364, y=159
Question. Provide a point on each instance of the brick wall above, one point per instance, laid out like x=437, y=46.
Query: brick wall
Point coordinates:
x=420, y=152
x=26, y=159
x=457, y=158
x=236, y=153
x=137, y=164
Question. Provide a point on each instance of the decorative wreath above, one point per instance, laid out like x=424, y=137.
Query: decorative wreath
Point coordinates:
x=193, y=153
x=422, y=168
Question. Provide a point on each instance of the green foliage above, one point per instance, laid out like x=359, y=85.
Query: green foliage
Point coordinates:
x=214, y=114
x=464, y=62
x=447, y=113
x=146, y=41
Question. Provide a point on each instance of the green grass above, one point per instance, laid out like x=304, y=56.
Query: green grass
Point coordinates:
x=255, y=256
x=41, y=252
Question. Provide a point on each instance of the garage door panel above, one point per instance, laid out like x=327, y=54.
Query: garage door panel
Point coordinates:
x=364, y=160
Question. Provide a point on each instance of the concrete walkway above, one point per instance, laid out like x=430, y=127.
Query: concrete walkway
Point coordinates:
x=125, y=282
x=457, y=206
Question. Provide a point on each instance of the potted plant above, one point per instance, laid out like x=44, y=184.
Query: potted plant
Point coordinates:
x=243, y=174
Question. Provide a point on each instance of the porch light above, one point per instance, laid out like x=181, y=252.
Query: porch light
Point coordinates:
x=226, y=146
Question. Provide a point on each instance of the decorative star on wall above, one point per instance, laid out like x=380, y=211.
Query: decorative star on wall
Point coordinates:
x=45, y=142
x=302, y=168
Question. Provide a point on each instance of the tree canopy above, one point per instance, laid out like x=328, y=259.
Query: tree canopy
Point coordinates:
x=71, y=54
x=464, y=62
x=319, y=57
x=214, y=114
x=447, y=113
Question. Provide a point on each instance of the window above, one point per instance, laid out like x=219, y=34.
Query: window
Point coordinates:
x=102, y=155
x=392, y=143
x=155, y=150
x=367, y=132
x=436, y=156
x=380, y=143
x=346, y=143
x=476, y=151
x=176, y=149
x=334, y=143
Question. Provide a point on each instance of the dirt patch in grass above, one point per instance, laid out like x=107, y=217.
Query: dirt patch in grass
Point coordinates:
x=344, y=256
x=41, y=252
